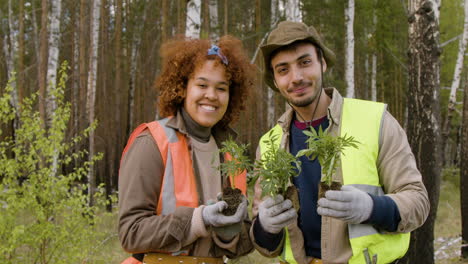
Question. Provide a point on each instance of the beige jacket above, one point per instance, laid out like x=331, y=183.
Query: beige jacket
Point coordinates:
x=398, y=176
x=142, y=231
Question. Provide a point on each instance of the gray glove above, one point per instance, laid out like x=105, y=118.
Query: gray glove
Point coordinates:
x=275, y=214
x=350, y=205
x=213, y=216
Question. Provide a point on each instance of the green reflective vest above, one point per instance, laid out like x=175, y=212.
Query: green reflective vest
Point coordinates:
x=362, y=120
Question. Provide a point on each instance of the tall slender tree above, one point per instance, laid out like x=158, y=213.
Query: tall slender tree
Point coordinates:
x=193, y=19
x=455, y=84
x=52, y=59
x=349, y=67
x=91, y=94
x=423, y=116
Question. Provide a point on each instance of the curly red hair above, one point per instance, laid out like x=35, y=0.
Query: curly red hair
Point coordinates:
x=182, y=56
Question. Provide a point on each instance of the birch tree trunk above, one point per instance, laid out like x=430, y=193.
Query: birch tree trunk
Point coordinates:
x=52, y=63
x=455, y=85
x=423, y=117
x=292, y=10
x=349, y=47
x=192, y=29
x=10, y=48
x=214, y=20
x=91, y=95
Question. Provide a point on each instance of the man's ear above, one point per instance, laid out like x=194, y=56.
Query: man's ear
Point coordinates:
x=324, y=64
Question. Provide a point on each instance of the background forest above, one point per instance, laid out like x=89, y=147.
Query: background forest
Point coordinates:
x=91, y=65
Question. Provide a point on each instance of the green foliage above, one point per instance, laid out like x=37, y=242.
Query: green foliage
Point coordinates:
x=327, y=149
x=239, y=162
x=275, y=168
x=45, y=218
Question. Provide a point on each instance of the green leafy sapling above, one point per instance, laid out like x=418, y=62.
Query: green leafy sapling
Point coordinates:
x=276, y=168
x=232, y=167
x=327, y=149
x=238, y=163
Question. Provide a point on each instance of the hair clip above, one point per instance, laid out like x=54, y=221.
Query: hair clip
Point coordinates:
x=215, y=50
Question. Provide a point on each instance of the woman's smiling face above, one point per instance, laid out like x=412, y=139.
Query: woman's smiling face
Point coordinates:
x=207, y=95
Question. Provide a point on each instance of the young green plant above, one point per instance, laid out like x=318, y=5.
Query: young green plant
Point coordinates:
x=327, y=149
x=275, y=169
x=238, y=163
x=232, y=167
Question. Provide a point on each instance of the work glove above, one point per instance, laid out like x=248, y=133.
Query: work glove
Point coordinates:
x=276, y=213
x=350, y=205
x=213, y=216
x=226, y=227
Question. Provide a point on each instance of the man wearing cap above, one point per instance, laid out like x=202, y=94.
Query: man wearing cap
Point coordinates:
x=382, y=199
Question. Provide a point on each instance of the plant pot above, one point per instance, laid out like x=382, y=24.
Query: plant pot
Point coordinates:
x=323, y=187
x=233, y=197
x=293, y=194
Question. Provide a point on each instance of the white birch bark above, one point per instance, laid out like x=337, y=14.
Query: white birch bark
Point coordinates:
x=193, y=25
x=52, y=65
x=91, y=94
x=292, y=10
x=52, y=61
x=10, y=46
x=349, y=57
x=460, y=59
x=214, y=20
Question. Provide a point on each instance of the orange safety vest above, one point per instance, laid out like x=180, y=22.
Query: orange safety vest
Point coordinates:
x=178, y=185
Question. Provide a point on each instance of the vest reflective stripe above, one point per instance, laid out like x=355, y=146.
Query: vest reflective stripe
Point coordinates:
x=178, y=183
x=362, y=120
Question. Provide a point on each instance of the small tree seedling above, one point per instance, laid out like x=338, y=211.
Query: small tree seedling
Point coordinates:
x=327, y=149
x=231, y=168
x=276, y=168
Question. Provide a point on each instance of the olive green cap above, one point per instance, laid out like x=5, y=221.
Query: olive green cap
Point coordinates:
x=286, y=33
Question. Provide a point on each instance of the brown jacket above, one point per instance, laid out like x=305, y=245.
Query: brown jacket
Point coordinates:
x=398, y=176
x=142, y=231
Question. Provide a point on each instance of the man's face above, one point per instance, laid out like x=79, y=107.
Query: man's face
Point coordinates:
x=297, y=74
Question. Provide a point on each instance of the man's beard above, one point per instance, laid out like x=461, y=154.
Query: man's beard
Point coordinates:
x=303, y=102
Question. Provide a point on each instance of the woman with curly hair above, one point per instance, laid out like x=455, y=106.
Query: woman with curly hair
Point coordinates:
x=168, y=178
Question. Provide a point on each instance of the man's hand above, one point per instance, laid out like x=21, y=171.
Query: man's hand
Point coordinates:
x=213, y=216
x=350, y=204
x=275, y=214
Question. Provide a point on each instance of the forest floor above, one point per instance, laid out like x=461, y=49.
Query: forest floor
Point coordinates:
x=448, y=223
x=447, y=231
